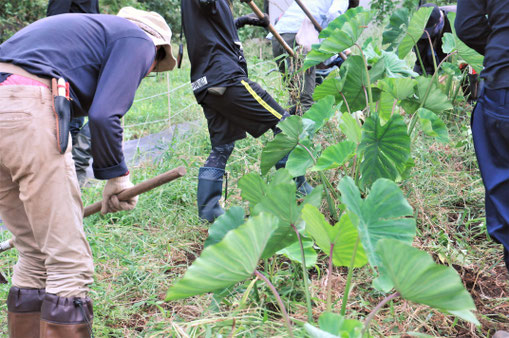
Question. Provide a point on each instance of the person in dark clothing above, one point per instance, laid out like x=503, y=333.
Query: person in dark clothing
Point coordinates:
x=56, y=7
x=438, y=24
x=80, y=132
x=484, y=26
x=232, y=104
x=103, y=58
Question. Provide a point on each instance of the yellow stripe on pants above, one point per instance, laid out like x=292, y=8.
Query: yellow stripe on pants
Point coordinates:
x=260, y=100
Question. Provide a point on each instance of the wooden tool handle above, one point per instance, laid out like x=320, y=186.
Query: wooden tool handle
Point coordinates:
x=140, y=188
x=271, y=28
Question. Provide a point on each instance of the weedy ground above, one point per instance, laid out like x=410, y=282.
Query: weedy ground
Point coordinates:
x=139, y=254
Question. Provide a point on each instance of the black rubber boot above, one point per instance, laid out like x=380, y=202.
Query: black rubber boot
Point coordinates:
x=66, y=317
x=210, y=186
x=303, y=187
x=24, y=312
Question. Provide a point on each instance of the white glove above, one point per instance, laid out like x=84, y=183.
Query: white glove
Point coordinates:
x=113, y=187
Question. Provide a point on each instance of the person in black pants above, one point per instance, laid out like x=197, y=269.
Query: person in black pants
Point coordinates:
x=80, y=132
x=484, y=26
x=233, y=105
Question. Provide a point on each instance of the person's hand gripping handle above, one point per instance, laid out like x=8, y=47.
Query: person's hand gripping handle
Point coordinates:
x=113, y=187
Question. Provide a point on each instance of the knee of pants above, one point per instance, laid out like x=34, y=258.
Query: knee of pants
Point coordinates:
x=219, y=155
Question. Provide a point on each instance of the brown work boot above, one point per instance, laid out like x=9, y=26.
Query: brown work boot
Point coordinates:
x=24, y=312
x=63, y=317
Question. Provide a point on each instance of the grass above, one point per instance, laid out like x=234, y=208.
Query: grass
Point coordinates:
x=138, y=255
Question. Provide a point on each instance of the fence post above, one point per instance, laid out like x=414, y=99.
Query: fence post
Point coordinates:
x=169, y=100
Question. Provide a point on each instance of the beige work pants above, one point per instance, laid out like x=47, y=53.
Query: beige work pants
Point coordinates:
x=40, y=200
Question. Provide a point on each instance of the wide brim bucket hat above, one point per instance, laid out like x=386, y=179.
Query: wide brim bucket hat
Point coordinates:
x=154, y=25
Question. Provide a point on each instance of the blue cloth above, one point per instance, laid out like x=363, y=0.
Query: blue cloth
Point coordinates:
x=103, y=57
x=484, y=26
x=324, y=11
x=490, y=125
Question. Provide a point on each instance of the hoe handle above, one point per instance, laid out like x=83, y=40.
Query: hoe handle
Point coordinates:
x=140, y=188
x=271, y=28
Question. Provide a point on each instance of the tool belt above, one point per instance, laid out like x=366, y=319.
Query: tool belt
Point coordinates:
x=61, y=104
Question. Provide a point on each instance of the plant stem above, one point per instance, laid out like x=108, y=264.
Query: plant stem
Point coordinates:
x=304, y=275
x=328, y=191
x=375, y=310
x=279, y=301
x=346, y=102
x=428, y=91
x=349, y=277
x=368, y=84
x=329, y=284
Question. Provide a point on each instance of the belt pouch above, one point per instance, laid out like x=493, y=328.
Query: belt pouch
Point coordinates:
x=62, y=111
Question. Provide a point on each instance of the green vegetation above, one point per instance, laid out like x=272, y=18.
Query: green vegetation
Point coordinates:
x=396, y=217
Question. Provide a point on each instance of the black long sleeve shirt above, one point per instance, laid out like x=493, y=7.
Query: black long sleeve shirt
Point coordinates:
x=484, y=26
x=213, y=45
x=72, y=6
x=103, y=57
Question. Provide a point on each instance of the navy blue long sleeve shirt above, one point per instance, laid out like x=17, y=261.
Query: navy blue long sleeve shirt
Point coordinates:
x=103, y=57
x=484, y=26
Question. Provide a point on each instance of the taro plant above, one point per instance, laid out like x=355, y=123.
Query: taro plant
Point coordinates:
x=369, y=109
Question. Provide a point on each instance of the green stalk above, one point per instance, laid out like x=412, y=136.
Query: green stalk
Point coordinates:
x=329, y=284
x=279, y=301
x=304, y=275
x=375, y=310
x=371, y=107
x=428, y=90
x=349, y=278
x=328, y=187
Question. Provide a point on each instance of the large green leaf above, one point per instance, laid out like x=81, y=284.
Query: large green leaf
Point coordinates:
x=351, y=128
x=335, y=325
x=335, y=156
x=469, y=55
x=252, y=188
x=343, y=235
x=448, y=43
x=418, y=279
x=396, y=29
x=230, y=261
x=354, y=72
x=293, y=253
x=340, y=34
x=283, y=143
x=393, y=67
x=383, y=214
x=300, y=159
x=415, y=30
x=385, y=148
x=231, y=219
x=321, y=112
x=437, y=101
x=400, y=88
x=433, y=126
x=332, y=85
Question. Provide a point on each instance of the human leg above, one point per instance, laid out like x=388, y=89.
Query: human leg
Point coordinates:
x=81, y=153
x=40, y=199
x=490, y=122
x=210, y=182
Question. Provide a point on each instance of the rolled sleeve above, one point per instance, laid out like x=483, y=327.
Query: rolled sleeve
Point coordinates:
x=128, y=62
